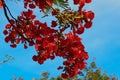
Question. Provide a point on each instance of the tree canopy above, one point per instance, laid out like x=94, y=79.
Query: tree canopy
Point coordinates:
x=91, y=72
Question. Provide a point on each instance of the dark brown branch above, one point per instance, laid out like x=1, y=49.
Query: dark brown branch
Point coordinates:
x=10, y=13
x=6, y=15
x=5, y=12
x=6, y=7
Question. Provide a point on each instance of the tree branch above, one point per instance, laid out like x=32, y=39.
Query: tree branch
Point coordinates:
x=5, y=8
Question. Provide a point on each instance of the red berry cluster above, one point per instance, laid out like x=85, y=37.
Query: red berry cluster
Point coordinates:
x=42, y=4
x=53, y=41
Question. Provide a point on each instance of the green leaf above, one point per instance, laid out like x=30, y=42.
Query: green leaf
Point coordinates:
x=47, y=11
x=93, y=65
x=61, y=3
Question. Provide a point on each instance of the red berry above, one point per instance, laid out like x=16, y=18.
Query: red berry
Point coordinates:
x=13, y=45
x=64, y=75
x=54, y=24
x=8, y=26
x=60, y=67
x=25, y=46
x=35, y=58
x=5, y=32
x=80, y=30
x=54, y=13
x=88, y=1
x=32, y=6
x=7, y=39
x=76, y=2
x=88, y=24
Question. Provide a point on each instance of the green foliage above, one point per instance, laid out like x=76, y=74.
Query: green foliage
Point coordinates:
x=45, y=76
x=91, y=72
x=94, y=73
x=7, y=58
x=60, y=3
x=15, y=78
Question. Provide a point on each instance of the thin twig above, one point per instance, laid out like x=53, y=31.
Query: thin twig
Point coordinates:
x=10, y=13
x=6, y=15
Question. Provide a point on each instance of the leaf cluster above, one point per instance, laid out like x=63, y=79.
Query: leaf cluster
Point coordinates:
x=91, y=72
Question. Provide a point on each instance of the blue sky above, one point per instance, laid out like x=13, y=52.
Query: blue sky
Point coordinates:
x=102, y=41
